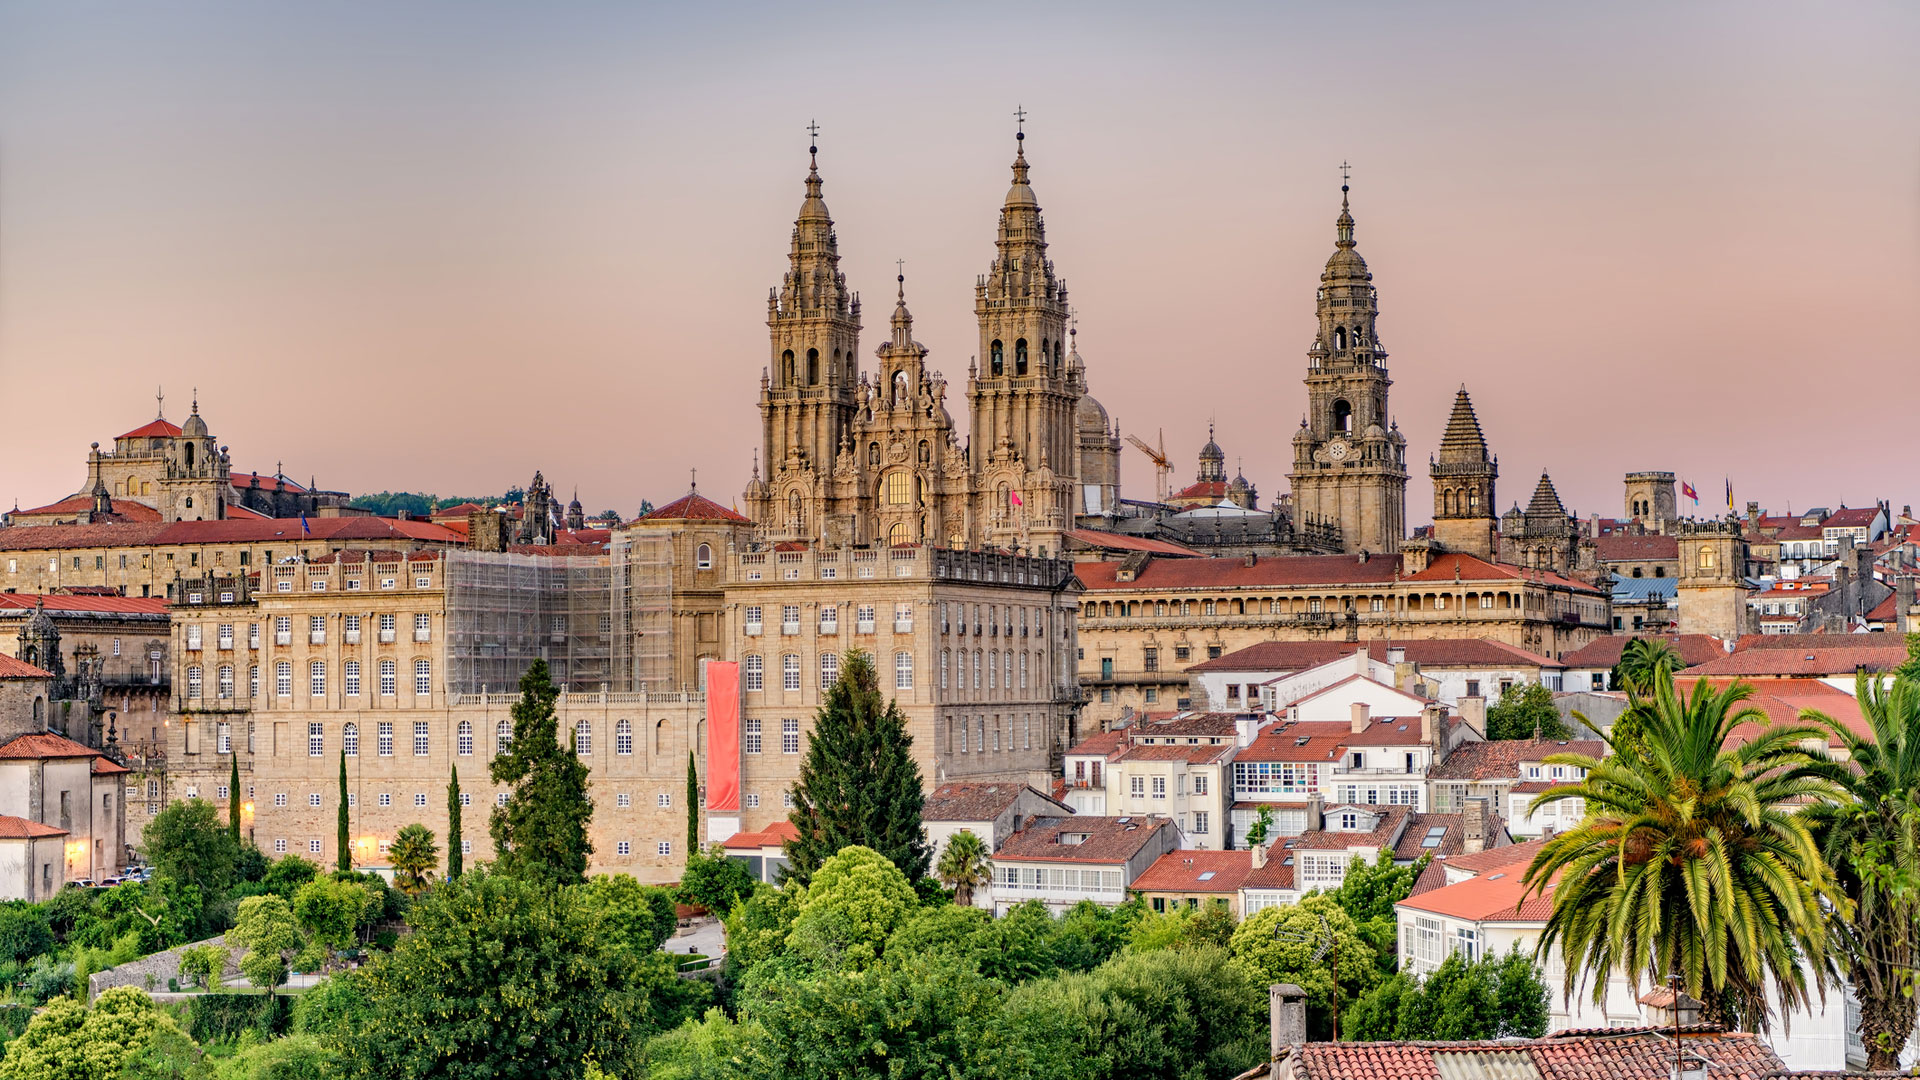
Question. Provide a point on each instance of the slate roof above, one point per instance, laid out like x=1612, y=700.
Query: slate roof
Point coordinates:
x=1098, y=539
x=1109, y=839
x=1613, y=1054
x=1500, y=758
x=1645, y=590
x=1181, y=871
x=1442, y=653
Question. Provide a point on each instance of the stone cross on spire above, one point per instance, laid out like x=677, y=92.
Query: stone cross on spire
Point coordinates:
x=160, y=402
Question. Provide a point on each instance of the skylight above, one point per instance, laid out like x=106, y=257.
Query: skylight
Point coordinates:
x=1434, y=835
x=1208, y=876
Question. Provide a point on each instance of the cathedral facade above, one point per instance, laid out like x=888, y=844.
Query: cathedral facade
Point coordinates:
x=875, y=459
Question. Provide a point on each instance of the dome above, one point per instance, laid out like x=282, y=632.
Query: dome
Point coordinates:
x=194, y=428
x=1345, y=263
x=1090, y=416
x=1212, y=452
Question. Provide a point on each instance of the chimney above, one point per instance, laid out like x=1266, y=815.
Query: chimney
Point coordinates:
x=1431, y=717
x=1287, y=1009
x=1362, y=716
x=1406, y=673
x=1260, y=855
x=1903, y=605
x=486, y=531
x=1473, y=819
x=1246, y=727
x=1316, y=813
x=1362, y=663
x=1474, y=711
x=1252, y=558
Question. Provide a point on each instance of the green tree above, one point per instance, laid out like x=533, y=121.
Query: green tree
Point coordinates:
x=291, y=1057
x=1368, y=894
x=413, y=855
x=541, y=834
x=640, y=917
x=265, y=928
x=1692, y=861
x=1262, y=825
x=1287, y=945
x=505, y=977
x=714, y=881
x=343, y=841
x=715, y=1048
x=1526, y=711
x=1491, y=998
x=1872, y=842
x=1171, y=1013
x=233, y=798
x=328, y=911
x=456, y=858
x=858, y=898
x=186, y=843
x=287, y=874
x=758, y=927
x=965, y=865
x=693, y=806
x=1643, y=663
x=1523, y=997
x=1911, y=669
x=205, y=964
x=336, y=1007
x=69, y=1041
x=859, y=784
x=25, y=931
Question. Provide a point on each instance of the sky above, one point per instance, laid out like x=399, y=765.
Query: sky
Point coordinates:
x=434, y=247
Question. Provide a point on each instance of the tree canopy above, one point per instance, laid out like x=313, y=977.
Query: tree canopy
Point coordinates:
x=541, y=833
x=1526, y=711
x=188, y=843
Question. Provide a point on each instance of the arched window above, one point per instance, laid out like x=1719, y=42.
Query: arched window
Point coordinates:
x=189, y=502
x=1342, y=415
x=189, y=449
x=703, y=557
x=623, y=738
x=1339, y=338
x=813, y=367
x=899, y=534
x=503, y=737
x=899, y=488
x=1020, y=357
x=583, y=738
x=350, y=739
x=659, y=737
x=996, y=360
x=463, y=739
x=1058, y=358
x=786, y=368
x=1706, y=558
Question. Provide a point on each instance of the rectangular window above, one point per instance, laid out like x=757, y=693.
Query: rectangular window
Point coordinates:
x=903, y=671
x=385, y=799
x=1150, y=659
x=664, y=800
x=387, y=624
x=279, y=798
x=903, y=618
x=317, y=629
x=423, y=627
x=193, y=638
x=664, y=847
x=388, y=678
x=225, y=636
x=224, y=734
x=790, y=671
x=423, y=677
x=317, y=678
x=419, y=798
x=351, y=674
x=420, y=738
x=283, y=679
x=753, y=619
x=623, y=800
x=790, y=618
x=755, y=671
x=829, y=669
x=623, y=848
x=316, y=740
x=383, y=738
x=279, y=847
x=830, y=619
x=351, y=629
x=789, y=735
x=313, y=847
x=1159, y=787
x=751, y=739
x=283, y=629
x=314, y=799
x=1137, y=786
x=863, y=619
x=753, y=802
x=1201, y=823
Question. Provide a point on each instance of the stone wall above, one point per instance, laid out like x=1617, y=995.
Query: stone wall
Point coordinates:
x=152, y=972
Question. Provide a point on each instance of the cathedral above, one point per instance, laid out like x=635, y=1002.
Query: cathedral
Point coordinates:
x=855, y=458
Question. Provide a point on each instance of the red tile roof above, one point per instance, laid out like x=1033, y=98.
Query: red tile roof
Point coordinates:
x=1108, y=839
x=1213, y=491
x=1105, y=744
x=1180, y=871
x=1611, y=1054
x=106, y=766
x=1194, y=725
x=122, y=509
x=11, y=668
x=1442, y=568
x=1649, y=547
x=266, y=483
x=1236, y=573
x=1838, y=657
x=973, y=802
x=60, y=537
x=1109, y=541
x=1605, y=652
x=694, y=506
x=1304, y=741
x=1480, y=862
x=44, y=745
x=1813, y=641
x=1500, y=759
x=63, y=602
x=1799, y=532
x=1497, y=893
x=1301, y=655
x=773, y=835
x=1192, y=755
x=1384, y=834
x=250, y=530
x=19, y=828
x=1277, y=874
x=158, y=428
x=1851, y=517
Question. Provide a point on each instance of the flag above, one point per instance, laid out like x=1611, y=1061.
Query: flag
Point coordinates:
x=1014, y=498
x=1729, y=494
x=305, y=529
x=1687, y=490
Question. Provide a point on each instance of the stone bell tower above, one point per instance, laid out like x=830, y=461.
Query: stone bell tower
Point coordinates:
x=1349, y=458
x=1713, y=586
x=1463, y=475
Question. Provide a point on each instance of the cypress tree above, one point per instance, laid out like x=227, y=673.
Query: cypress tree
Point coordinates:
x=541, y=834
x=233, y=798
x=344, y=863
x=858, y=781
x=455, y=863
x=693, y=807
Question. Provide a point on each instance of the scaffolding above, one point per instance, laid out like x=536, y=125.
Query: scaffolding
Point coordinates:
x=642, y=595
x=505, y=611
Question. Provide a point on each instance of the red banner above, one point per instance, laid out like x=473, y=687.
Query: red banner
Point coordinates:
x=723, y=736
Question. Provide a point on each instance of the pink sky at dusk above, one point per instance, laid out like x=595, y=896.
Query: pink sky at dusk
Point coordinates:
x=433, y=247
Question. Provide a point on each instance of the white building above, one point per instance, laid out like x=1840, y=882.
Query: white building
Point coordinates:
x=1061, y=861
x=1448, y=671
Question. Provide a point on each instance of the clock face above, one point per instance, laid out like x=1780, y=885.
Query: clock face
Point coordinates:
x=1337, y=450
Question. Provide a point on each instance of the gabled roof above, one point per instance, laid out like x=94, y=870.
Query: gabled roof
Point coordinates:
x=1305, y=741
x=157, y=428
x=694, y=506
x=121, y=509
x=1108, y=839
x=976, y=802
x=773, y=835
x=1605, y=652
x=44, y=745
x=1839, y=656
x=1386, y=831
x=19, y=828
x=1439, y=653
x=106, y=766
x=1500, y=759
x=12, y=668
x=1470, y=568
x=1852, y=517
x=1498, y=893
x=1479, y=862
x=1240, y=573
x=1105, y=744
x=1614, y=1054
x=1111, y=541
x=1196, y=872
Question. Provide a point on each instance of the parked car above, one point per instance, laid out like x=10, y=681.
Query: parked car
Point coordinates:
x=80, y=883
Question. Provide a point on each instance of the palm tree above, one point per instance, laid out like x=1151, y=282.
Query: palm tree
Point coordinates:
x=1641, y=662
x=1873, y=845
x=1692, y=861
x=413, y=855
x=965, y=865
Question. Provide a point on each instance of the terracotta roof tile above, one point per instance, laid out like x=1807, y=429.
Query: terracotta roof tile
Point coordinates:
x=58, y=603
x=158, y=428
x=1110, y=541
x=1196, y=871
x=1385, y=832
x=1106, y=744
x=1183, y=725
x=1605, y=652
x=106, y=766
x=44, y=745
x=974, y=802
x=19, y=828
x=12, y=668
x=1838, y=657
x=1441, y=653
x=1192, y=755
x=1231, y=573
x=1304, y=741
x=1479, y=862
x=1442, y=568
x=1607, y=1054
x=1108, y=839
x=123, y=510
x=1500, y=759
x=1650, y=547
x=773, y=835
x=694, y=506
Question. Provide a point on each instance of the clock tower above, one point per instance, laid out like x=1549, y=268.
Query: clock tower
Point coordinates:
x=1349, y=458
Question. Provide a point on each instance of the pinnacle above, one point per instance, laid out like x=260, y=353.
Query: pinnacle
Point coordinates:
x=1546, y=500
x=1463, y=440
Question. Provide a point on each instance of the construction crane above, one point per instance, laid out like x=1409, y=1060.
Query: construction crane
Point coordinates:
x=1162, y=468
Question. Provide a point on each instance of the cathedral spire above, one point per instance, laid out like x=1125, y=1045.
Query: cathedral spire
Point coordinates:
x=1463, y=442
x=1343, y=225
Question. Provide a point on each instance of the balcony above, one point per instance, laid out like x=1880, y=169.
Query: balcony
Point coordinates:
x=352, y=637
x=753, y=629
x=424, y=635
x=903, y=626
x=386, y=636
x=316, y=637
x=283, y=637
x=864, y=626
